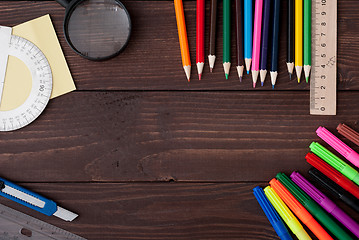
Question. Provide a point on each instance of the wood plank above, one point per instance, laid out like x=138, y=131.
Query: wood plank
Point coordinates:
x=160, y=136
x=152, y=60
x=158, y=210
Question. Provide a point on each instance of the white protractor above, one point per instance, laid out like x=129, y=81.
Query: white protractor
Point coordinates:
x=41, y=87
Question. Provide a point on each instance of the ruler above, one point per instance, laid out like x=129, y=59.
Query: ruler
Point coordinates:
x=323, y=85
x=41, y=75
x=16, y=225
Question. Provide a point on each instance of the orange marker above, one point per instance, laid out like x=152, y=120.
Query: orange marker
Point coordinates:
x=182, y=35
x=299, y=210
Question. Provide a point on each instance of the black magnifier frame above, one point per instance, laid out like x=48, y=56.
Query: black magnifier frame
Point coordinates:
x=70, y=7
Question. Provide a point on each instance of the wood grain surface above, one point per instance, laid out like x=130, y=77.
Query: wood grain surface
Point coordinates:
x=139, y=158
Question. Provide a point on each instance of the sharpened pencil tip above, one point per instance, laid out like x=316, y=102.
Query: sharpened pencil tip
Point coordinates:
x=226, y=76
x=247, y=72
x=254, y=85
x=298, y=80
x=262, y=84
x=189, y=79
x=200, y=76
x=240, y=79
x=272, y=86
x=307, y=79
x=290, y=77
x=211, y=70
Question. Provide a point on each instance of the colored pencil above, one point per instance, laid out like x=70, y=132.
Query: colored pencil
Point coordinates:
x=290, y=38
x=275, y=40
x=256, y=40
x=200, y=37
x=264, y=41
x=239, y=38
x=307, y=48
x=248, y=26
x=182, y=35
x=212, y=35
x=226, y=36
x=298, y=38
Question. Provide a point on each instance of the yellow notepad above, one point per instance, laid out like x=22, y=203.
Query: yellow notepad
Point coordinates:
x=41, y=32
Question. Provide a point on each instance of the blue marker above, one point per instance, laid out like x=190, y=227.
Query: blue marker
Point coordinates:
x=271, y=214
x=248, y=31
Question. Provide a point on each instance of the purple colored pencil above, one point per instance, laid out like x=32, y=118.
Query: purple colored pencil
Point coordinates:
x=264, y=40
x=325, y=203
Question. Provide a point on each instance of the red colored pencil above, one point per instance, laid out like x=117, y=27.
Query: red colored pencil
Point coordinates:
x=200, y=37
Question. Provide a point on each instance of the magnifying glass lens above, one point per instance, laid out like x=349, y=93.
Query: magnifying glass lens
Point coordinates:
x=98, y=29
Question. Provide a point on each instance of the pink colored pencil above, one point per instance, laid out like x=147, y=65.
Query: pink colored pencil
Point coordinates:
x=256, y=40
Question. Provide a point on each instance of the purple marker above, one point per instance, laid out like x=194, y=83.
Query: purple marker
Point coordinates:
x=264, y=40
x=325, y=203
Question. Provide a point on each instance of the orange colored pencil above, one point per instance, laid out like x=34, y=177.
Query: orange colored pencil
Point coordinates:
x=182, y=35
x=299, y=210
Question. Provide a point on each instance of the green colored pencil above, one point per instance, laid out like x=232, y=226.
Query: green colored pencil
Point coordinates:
x=226, y=36
x=307, y=35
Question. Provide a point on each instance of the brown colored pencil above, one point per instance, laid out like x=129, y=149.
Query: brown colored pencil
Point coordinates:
x=239, y=38
x=212, y=34
x=348, y=133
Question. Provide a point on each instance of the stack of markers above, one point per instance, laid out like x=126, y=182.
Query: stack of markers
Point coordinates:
x=253, y=35
x=295, y=194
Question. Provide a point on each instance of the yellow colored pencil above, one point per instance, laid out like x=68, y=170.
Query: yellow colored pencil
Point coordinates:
x=298, y=54
x=182, y=35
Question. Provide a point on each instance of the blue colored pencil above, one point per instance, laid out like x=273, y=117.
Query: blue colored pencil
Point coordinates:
x=275, y=39
x=248, y=31
x=264, y=40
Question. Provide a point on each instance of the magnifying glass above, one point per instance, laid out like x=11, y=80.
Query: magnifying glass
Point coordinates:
x=96, y=29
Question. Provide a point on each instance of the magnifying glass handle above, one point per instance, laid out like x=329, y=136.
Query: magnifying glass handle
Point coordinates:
x=63, y=3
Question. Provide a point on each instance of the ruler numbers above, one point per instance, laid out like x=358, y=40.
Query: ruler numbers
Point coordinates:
x=324, y=74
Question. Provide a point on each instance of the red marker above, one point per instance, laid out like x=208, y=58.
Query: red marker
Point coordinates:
x=333, y=174
x=200, y=37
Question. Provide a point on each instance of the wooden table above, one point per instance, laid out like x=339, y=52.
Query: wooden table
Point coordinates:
x=139, y=153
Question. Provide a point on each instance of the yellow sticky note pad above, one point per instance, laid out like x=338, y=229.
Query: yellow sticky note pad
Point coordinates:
x=41, y=32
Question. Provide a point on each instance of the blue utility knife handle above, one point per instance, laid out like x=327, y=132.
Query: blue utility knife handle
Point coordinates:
x=49, y=208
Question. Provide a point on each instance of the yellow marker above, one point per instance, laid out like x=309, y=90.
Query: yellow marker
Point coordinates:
x=286, y=214
x=298, y=29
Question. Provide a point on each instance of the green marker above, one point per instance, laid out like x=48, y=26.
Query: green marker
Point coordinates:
x=335, y=162
x=307, y=37
x=313, y=207
x=226, y=36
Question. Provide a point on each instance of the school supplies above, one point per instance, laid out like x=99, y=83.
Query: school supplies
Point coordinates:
x=325, y=203
x=331, y=173
x=248, y=24
x=349, y=133
x=298, y=45
x=271, y=214
x=212, y=34
x=338, y=145
x=35, y=101
x=200, y=37
x=16, y=225
x=239, y=38
x=323, y=80
x=299, y=210
x=182, y=35
x=257, y=28
x=307, y=38
x=33, y=200
x=334, y=189
x=275, y=40
x=226, y=37
x=290, y=37
x=335, y=162
x=264, y=40
x=286, y=214
x=313, y=207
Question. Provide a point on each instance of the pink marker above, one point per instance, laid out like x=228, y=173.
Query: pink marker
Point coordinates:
x=256, y=40
x=338, y=145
